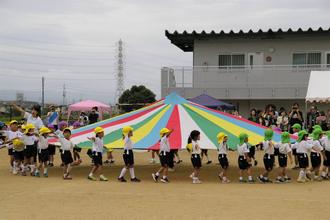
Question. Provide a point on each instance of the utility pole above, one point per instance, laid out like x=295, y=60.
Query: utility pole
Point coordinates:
x=64, y=94
x=120, y=71
x=42, y=94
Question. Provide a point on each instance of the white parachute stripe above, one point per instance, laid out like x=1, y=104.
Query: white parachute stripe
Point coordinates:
x=187, y=125
x=83, y=138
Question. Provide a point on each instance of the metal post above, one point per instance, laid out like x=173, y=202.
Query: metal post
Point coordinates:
x=42, y=94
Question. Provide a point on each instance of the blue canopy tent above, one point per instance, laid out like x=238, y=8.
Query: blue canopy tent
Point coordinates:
x=211, y=102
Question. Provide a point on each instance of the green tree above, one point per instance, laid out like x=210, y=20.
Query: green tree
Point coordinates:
x=135, y=98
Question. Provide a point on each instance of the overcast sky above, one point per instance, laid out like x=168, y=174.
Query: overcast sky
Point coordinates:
x=73, y=42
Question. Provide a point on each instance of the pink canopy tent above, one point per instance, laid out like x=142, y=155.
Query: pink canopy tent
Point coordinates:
x=87, y=105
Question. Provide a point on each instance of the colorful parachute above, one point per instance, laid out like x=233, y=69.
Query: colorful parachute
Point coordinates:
x=173, y=112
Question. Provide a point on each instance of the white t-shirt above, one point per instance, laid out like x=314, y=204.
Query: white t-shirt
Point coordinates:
x=283, y=148
x=42, y=143
x=128, y=144
x=66, y=144
x=195, y=148
x=164, y=144
x=37, y=122
x=317, y=145
x=268, y=147
x=98, y=145
x=12, y=135
x=29, y=139
x=326, y=144
x=304, y=146
x=223, y=147
x=242, y=149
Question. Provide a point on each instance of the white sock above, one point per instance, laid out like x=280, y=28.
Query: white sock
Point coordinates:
x=323, y=174
x=240, y=178
x=250, y=178
x=90, y=174
x=157, y=174
x=32, y=167
x=301, y=173
x=45, y=170
x=131, y=172
x=164, y=177
x=122, y=173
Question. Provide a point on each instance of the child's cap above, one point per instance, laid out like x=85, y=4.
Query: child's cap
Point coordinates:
x=285, y=137
x=67, y=130
x=301, y=134
x=50, y=126
x=62, y=124
x=242, y=138
x=315, y=127
x=28, y=127
x=18, y=145
x=269, y=134
x=316, y=134
x=44, y=130
x=98, y=130
x=164, y=131
x=126, y=130
x=13, y=122
x=221, y=136
x=297, y=126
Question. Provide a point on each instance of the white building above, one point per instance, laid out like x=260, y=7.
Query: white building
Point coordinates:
x=248, y=69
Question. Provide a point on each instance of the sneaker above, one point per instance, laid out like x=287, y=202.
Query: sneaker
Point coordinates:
x=325, y=178
x=268, y=181
x=67, y=177
x=15, y=171
x=251, y=181
x=209, y=162
x=36, y=174
x=112, y=161
x=103, y=178
x=261, y=179
x=287, y=179
x=107, y=162
x=154, y=177
x=164, y=180
x=136, y=180
x=45, y=174
x=122, y=179
x=225, y=181
x=197, y=181
x=280, y=180
x=91, y=178
x=152, y=161
x=242, y=180
x=309, y=177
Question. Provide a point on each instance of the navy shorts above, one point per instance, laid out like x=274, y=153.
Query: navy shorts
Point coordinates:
x=315, y=159
x=51, y=149
x=242, y=163
x=31, y=151
x=66, y=157
x=269, y=161
x=252, y=152
x=294, y=151
x=196, y=160
x=164, y=158
x=327, y=161
x=282, y=160
x=303, y=160
x=128, y=157
x=43, y=155
x=18, y=155
x=10, y=152
x=223, y=160
x=97, y=158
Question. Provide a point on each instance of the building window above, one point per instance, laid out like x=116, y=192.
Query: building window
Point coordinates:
x=231, y=60
x=306, y=58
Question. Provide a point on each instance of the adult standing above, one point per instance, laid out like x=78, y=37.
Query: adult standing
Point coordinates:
x=311, y=118
x=33, y=117
x=295, y=116
x=94, y=115
x=52, y=117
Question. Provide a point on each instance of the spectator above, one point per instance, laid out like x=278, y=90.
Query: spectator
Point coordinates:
x=311, y=118
x=283, y=121
x=253, y=116
x=83, y=119
x=322, y=121
x=94, y=115
x=295, y=116
x=52, y=117
x=33, y=117
x=270, y=116
x=328, y=119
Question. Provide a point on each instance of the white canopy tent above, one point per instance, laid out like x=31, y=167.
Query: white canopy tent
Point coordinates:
x=318, y=87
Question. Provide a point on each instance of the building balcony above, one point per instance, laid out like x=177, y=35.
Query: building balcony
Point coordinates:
x=239, y=82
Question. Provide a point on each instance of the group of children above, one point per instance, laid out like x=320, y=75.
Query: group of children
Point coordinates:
x=27, y=145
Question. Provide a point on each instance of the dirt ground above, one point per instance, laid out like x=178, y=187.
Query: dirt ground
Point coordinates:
x=53, y=198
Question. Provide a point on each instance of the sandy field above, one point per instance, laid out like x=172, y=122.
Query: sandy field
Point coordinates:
x=53, y=198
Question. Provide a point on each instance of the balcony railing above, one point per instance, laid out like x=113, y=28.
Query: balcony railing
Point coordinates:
x=266, y=81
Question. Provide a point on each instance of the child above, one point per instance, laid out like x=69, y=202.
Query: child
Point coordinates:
x=18, y=151
x=295, y=128
x=284, y=150
x=195, y=155
x=316, y=154
x=43, y=152
x=303, y=146
x=128, y=156
x=110, y=159
x=326, y=156
x=30, y=152
x=51, y=148
x=244, y=160
x=164, y=154
x=12, y=134
x=97, y=151
x=153, y=156
x=268, y=157
x=205, y=152
x=66, y=148
x=222, y=151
